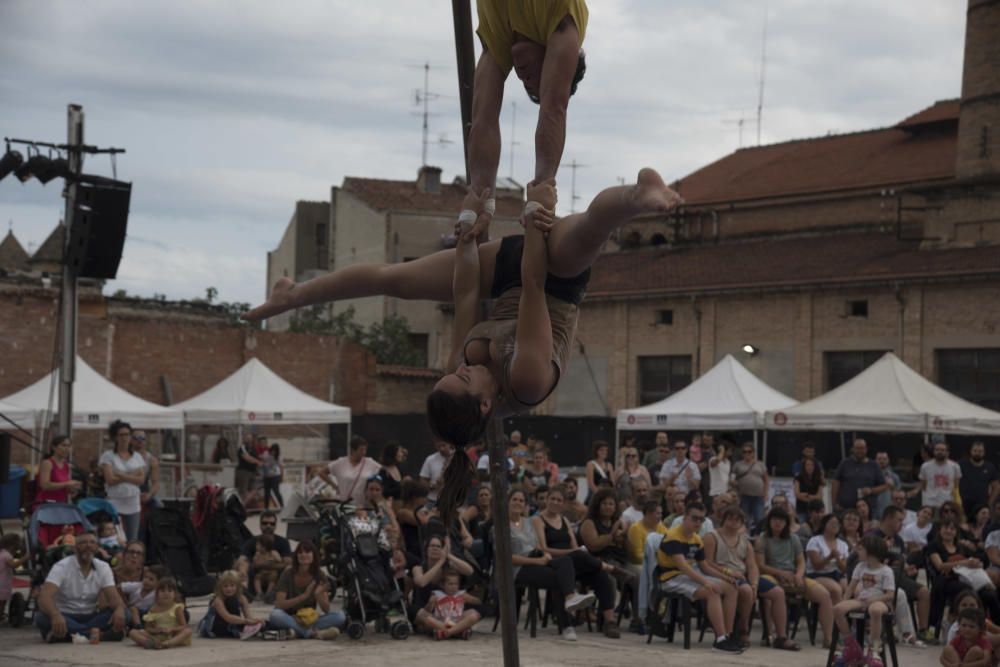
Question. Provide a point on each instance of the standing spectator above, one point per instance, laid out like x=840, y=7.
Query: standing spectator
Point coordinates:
x=939, y=478
x=653, y=458
x=432, y=471
x=680, y=471
x=980, y=480
x=261, y=446
x=857, y=477
x=629, y=472
x=640, y=495
x=246, y=467
x=55, y=479
x=892, y=481
x=123, y=472
x=719, y=469
x=474, y=451
x=74, y=590
x=392, y=478
x=538, y=472
x=150, y=487
x=271, y=471
x=515, y=437
x=348, y=473
x=751, y=481
x=925, y=454
x=899, y=500
x=808, y=485
x=221, y=454
x=808, y=454
x=599, y=469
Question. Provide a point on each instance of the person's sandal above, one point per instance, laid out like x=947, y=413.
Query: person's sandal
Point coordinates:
x=785, y=644
x=744, y=640
x=911, y=640
x=611, y=631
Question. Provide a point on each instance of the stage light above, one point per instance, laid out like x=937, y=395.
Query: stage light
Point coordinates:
x=43, y=168
x=750, y=349
x=9, y=162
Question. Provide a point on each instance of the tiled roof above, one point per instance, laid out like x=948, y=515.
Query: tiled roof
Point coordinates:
x=382, y=195
x=774, y=263
x=13, y=256
x=860, y=160
x=51, y=249
x=408, y=371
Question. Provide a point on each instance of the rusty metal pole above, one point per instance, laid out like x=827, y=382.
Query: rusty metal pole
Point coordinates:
x=503, y=568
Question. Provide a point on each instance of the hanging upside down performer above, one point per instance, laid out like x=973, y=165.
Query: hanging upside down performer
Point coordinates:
x=514, y=359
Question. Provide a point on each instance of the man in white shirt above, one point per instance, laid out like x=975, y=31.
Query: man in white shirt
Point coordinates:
x=432, y=471
x=640, y=494
x=939, y=478
x=680, y=471
x=899, y=500
x=68, y=602
x=348, y=474
x=915, y=534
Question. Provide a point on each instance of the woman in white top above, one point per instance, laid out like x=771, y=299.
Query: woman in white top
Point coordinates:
x=599, y=469
x=123, y=472
x=719, y=467
x=826, y=558
x=629, y=470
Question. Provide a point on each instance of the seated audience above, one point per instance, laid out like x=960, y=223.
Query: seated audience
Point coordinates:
x=634, y=512
x=445, y=615
x=872, y=590
x=556, y=539
x=261, y=563
x=438, y=558
x=165, y=624
x=850, y=528
x=573, y=509
x=899, y=500
x=413, y=516
x=680, y=561
x=729, y=553
x=629, y=471
x=12, y=557
x=905, y=574
x=945, y=559
x=917, y=534
x=780, y=558
x=130, y=565
x=968, y=599
x=603, y=533
x=229, y=614
x=109, y=542
x=266, y=561
x=140, y=596
x=707, y=526
x=826, y=558
x=302, y=593
x=651, y=522
x=68, y=603
x=970, y=648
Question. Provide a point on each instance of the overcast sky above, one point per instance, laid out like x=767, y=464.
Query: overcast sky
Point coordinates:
x=231, y=111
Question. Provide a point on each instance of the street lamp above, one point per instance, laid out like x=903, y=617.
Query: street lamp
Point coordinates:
x=751, y=349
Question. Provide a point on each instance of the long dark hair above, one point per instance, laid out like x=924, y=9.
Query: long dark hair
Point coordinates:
x=815, y=480
x=56, y=441
x=777, y=513
x=307, y=545
x=389, y=453
x=594, y=507
x=459, y=421
x=116, y=426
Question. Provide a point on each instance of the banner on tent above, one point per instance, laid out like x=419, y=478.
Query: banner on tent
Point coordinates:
x=646, y=420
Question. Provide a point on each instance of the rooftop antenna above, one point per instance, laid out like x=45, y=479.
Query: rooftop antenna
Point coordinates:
x=574, y=165
x=513, y=126
x=423, y=97
x=760, y=90
x=739, y=125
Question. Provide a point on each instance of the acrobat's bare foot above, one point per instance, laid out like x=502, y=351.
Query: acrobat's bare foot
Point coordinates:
x=651, y=194
x=279, y=301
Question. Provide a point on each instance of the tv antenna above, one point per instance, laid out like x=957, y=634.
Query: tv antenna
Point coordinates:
x=574, y=165
x=763, y=64
x=513, y=126
x=424, y=97
x=739, y=123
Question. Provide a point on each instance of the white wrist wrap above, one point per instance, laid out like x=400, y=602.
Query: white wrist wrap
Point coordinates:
x=467, y=216
x=530, y=207
x=490, y=206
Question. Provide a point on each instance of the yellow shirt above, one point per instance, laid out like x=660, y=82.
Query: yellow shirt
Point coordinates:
x=533, y=19
x=635, y=540
x=675, y=543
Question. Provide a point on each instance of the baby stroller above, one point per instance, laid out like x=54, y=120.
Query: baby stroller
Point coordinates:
x=41, y=531
x=171, y=540
x=371, y=592
x=100, y=510
x=219, y=518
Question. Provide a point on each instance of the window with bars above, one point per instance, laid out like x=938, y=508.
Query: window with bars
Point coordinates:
x=842, y=366
x=973, y=374
x=660, y=377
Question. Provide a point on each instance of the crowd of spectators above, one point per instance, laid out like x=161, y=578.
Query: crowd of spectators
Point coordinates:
x=696, y=518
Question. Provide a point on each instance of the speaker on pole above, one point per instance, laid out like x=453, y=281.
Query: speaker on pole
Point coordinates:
x=4, y=458
x=97, y=233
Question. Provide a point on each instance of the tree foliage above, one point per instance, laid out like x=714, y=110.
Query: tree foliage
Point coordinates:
x=388, y=340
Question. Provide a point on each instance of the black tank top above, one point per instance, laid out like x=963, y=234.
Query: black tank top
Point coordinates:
x=557, y=538
x=612, y=552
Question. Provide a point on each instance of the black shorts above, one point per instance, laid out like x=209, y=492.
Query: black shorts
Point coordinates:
x=507, y=274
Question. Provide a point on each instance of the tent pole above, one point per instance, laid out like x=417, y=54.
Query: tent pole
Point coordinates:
x=763, y=455
x=183, y=476
x=843, y=447
x=765, y=446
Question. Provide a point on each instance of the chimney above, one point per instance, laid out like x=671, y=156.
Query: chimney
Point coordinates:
x=979, y=119
x=429, y=180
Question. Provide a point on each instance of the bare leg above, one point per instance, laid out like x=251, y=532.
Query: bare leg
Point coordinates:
x=139, y=637
x=745, y=603
x=778, y=611
x=576, y=240
x=469, y=618
x=836, y=592
x=729, y=603
x=179, y=639
x=427, y=621
x=713, y=607
x=428, y=278
x=821, y=597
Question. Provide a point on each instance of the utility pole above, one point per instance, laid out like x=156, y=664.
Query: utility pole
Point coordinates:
x=574, y=165
x=67, y=367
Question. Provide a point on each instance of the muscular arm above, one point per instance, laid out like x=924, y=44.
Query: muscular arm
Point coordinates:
x=484, y=134
x=561, y=55
x=465, y=282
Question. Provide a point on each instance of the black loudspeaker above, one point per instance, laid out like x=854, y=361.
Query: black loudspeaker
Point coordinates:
x=4, y=457
x=98, y=232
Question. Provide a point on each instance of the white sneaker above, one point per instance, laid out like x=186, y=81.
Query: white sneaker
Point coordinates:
x=576, y=601
x=569, y=634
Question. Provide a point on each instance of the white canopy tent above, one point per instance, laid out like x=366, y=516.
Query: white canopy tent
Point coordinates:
x=96, y=403
x=728, y=396
x=23, y=418
x=887, y=396
x=255, y=394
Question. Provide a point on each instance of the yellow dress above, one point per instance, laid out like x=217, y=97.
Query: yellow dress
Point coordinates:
x=158, y=624
x=533, y=19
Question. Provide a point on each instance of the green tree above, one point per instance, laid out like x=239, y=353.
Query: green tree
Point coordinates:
x=388, y=340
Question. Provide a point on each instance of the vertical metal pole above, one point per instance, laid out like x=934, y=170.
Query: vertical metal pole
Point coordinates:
x=67, y=368
x=503, y=567
x=465, y=57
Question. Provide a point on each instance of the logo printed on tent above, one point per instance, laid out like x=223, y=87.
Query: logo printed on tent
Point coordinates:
x=780, y=419
x=252, y=416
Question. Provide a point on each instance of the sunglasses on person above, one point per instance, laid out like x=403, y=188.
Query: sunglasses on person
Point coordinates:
x=697, y=519
x=679, y=448
x=268, y=523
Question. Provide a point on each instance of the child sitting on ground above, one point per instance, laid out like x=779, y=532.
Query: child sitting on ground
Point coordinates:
x=445, y=615
x=164, y=625
x=970, y=648
x=140, y=596
x=110, y=543
x=11, y=549
x=872, y=588
x=264, y=580
x=229, y=612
